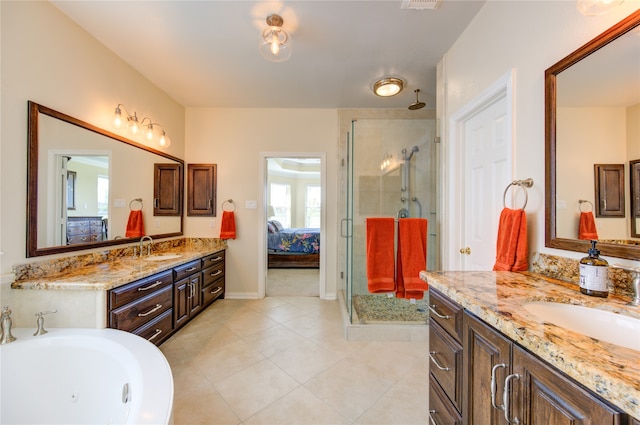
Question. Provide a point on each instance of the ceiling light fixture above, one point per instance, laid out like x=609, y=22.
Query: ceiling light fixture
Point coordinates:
x=151, y=130
x=275, y=43
x=388, y=86
x=596, y=7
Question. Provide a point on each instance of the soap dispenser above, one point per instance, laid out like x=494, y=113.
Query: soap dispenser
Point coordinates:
x=594, y=274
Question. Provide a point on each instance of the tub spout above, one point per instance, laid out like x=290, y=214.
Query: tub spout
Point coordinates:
x=6, y=323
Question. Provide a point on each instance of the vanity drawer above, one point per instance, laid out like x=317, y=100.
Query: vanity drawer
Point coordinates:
x=187, y=269
x=133, y=291
x=446, y=313
x=157, y=330
x=440, y=410
x=210, y=260
x=213, y=291
x=445, y=363
x=134, y=315
x=212, y=273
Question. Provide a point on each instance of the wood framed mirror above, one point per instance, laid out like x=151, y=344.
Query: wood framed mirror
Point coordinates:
x=600, y=61
x=112, y=176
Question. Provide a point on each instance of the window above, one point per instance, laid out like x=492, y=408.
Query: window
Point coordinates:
x=281, y=202
x=312, y=207
x=103, y=195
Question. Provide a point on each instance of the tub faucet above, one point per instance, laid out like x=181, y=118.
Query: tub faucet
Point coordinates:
x=142, y=239
x=41, y=330
x=6, y=323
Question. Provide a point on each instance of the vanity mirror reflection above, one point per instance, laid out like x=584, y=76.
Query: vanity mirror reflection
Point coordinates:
x=592, y=115
x=82, y=183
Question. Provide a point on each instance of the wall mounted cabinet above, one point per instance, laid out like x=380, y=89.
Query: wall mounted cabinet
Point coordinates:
x=609, y=184
x=167, y=189
x=201, y=189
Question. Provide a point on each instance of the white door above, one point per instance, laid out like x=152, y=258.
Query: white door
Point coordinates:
x=487, y=165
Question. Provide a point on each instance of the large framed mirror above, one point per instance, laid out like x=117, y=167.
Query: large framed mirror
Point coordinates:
x=592, y=115
x=83, y=182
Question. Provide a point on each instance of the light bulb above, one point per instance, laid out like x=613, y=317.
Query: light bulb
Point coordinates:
x=134, y=125
x=164, y=141
x=275, y=44
x=149, y=132
x=117, y=117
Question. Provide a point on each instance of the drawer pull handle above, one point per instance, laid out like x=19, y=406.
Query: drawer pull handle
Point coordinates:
x=154, y=309
x=432, y=308
x=494, y=385
x=216, y=273
x=436, y=362
x=158, y=332
x=190, y=269
x=218, y=289
x=146, y=288
x=505, y=399
x=432, y=420
x=216, y=259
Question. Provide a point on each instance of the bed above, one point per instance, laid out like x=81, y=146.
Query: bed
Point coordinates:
x=292, y=247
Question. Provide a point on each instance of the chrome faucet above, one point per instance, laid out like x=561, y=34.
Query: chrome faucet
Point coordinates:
x=40, y=322
x=6, y=323
x=142, y=239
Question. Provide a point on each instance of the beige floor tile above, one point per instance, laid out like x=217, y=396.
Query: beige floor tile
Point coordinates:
x=273, y=340
x=254, y=388
x=285, y=312
x=249, y=322
x=219, y=363
x=299, y=407
x=203, y=407
x=303, y=361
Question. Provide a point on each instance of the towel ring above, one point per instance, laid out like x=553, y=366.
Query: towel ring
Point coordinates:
x=230, y=201
x=524, y=184
x=135, y=200
x=583, y=201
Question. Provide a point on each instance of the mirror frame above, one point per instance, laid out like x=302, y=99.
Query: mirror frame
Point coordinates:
x=551, y=239
x=35, y=110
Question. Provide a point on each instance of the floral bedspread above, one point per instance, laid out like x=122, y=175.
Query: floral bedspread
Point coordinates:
x=300, y=240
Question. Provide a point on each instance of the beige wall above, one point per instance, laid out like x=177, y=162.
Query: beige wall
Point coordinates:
x=528, y=37
x=234, y=139
x=48, y=59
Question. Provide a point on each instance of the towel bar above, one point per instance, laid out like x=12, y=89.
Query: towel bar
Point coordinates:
x=582, y=201
x=524, y=184
x=230, y=201
x=135, y=200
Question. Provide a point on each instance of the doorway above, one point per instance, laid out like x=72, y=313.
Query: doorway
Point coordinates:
x=293, y=222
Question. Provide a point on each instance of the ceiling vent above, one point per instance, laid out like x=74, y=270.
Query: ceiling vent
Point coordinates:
x=420, y=4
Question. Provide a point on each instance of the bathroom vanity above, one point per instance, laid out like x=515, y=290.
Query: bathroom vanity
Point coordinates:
x=482, y=340
x=151, y=295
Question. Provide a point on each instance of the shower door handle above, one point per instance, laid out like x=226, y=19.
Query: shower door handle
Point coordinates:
x=344, y=230
x=465, y=250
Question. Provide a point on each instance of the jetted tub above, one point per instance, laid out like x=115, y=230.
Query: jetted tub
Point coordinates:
x=84, y=376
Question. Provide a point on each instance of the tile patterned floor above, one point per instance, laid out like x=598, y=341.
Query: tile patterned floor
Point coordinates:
x=285, y=361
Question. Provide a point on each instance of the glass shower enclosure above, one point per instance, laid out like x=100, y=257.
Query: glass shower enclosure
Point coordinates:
x=391, y=171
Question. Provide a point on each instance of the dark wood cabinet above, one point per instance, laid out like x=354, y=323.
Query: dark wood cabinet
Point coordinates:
x=201, y=189
x=212, y=278
x=609, y=186
x=537, y=393
x=85, y=229
x=167, y=189
x=188, y=299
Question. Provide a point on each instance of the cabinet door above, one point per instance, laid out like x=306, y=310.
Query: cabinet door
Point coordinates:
x=201, y=189
x=167, y=189
x=195, y=295
x=543, y=395
x=609, y=185
x=181, y=307
x=484, y=348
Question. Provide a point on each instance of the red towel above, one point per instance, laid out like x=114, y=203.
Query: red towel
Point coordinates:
x=228, y=226
x=380, y=264
x=511, y=252
x=135, y=226
x=587, y=229
x=412, y=258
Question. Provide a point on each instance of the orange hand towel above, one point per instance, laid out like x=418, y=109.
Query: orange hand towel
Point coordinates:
x=412, y=258
x=135, y=225
x=380, y=264
x=511, y=252
x=587, y=229
x=228, y=226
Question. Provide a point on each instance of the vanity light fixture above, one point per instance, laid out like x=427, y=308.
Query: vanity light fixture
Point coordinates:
x=597, y=7
x=275, y=43
x=150, y=130
x=388, y=86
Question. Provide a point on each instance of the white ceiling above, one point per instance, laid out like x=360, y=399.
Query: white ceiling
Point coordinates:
x=205, y=53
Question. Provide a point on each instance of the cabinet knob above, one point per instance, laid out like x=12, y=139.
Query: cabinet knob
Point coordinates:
x=465, y=250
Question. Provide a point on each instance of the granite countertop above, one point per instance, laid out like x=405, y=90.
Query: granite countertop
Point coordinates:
x=609, y=370
x=111, y=274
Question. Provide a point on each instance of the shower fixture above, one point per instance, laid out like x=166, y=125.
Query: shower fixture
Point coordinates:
x=417, y=104
x=413, y=150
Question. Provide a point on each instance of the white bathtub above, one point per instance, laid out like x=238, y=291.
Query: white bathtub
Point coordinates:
x=81, y=376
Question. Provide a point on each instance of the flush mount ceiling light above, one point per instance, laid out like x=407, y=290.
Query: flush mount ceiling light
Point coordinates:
x=152, y=131
x=275, y=43
x=388, y=86
x=596, y=7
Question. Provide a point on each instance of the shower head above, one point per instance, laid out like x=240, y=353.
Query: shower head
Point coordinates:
x=413, y=150
x=417, y=104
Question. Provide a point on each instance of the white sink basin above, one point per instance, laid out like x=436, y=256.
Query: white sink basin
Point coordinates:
x=599, y=324
x=162, y=257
